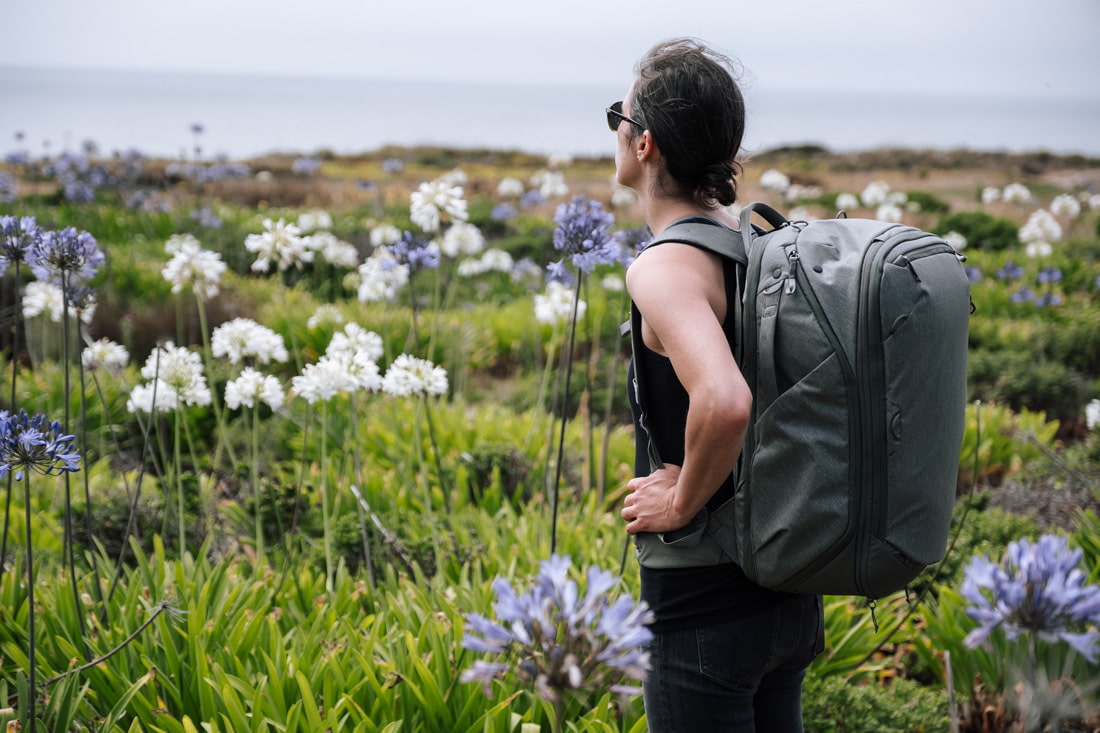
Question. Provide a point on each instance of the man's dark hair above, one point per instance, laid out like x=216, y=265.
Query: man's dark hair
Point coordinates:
x=686, y=96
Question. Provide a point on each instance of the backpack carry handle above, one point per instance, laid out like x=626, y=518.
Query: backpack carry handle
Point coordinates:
x=769, y=215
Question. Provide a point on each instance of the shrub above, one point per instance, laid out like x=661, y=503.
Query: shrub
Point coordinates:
x=982, y=230
x=1022, y=381
x=929, y=203
x=832, y=705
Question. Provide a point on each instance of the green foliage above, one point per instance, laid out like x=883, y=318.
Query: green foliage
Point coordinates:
x=272, y=650
x=982, y=230
x=998, y=442
x=832, y=705
x=928, y=203
x=1025, y=383
x=423, y=502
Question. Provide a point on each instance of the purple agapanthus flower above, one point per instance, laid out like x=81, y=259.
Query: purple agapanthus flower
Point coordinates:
x=32, y=443
x=1023, y=295
x=531, y=198
x=973, y=274
x=70, y=254
x=1048, y=299
x=1011, y=271
x=17, y=237
x=631, y=242
x=503, y=212
x=7, y=188
x=558, y=639
x=557, y=272
x=307, y=166
x=583, y=233
x=1050, y=275
x=19, y=157
x=417, y=253
x=1037, y=589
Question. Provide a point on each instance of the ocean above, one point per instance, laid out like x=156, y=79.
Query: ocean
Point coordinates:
x=243, y=116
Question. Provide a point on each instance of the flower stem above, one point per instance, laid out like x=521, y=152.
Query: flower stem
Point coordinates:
x=325, y=499
x=177, y=449
x=32, y=666
x=435, y=454
x=564, y=409
x=257, y=495
x=219, y=416
x=14, y=373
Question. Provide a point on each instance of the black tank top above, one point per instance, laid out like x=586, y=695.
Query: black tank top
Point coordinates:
x=687, y=597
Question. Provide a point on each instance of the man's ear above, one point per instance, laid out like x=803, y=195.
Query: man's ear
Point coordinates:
x=645, y=146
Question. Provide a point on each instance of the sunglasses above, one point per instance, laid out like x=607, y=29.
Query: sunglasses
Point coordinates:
x=615, y=117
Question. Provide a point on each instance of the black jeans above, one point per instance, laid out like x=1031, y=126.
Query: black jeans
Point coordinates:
x=743, y=675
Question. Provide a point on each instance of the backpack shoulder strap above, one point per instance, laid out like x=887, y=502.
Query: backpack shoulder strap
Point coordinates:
x=707, y=234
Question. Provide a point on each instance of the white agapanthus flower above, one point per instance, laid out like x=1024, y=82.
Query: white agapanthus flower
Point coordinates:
x=874, y=194
x=1065, y=205
x=551, y=184
x=384, y=235
x=613, y=283
x=1016, y=193
x=434, y=199
x=179, y=242
x=798, y=213
x=326, y=314
x=363, y=372
x=381, y=277
x=1092, y=414
x=889, y=212
x=252, y=387
x=774, y=180
x=492, y=259
x=510, y=188
x=332, y=249
x=408, y=375
x=312, y=221
x=154, y=396
x=556, y=304
x=41, y=297
x=796, y=191
x=323, y=380
x=105, y=354
x=243, y=338
x=176, y=376
x=462, y=238
x=456, y=177
x=193, y=267
x=280, y=244
x=1094, y=201
x=497, y=259
x=1040, y=230
x=991, y=194
x=559, y=160
x=355, y=339
x=956, y=240
x=846, y=201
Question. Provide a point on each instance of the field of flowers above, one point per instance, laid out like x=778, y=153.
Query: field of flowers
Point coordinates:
x=337, y=443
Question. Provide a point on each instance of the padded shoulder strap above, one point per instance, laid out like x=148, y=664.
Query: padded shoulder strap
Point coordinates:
x=707, y=234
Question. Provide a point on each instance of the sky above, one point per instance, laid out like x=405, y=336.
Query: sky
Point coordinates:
x=996, y=47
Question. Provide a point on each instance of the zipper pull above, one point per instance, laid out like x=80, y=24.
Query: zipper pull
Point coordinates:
x=792, y=258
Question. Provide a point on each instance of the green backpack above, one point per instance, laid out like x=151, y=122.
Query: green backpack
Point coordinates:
x=853, y=339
